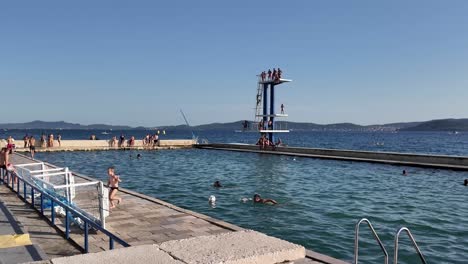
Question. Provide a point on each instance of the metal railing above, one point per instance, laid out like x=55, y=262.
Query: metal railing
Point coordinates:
x=415, y=245
x=356, y=240
x=9, y=179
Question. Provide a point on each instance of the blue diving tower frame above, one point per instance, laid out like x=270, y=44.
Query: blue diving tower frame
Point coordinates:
x=269, y=86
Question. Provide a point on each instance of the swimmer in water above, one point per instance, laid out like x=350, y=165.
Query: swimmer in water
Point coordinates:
x=138, y=156
x=404, y=173
x=466, y=182
x=217, y=184
x=258, y=199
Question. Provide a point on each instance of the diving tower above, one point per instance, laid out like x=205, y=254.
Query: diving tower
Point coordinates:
x=265, y=115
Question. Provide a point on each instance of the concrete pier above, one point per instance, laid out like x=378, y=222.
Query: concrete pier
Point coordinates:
x=159, y=231
x=394, y=158
x=90, y=145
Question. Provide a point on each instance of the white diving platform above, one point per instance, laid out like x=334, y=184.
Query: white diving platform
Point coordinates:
x=271, y=81
x=275, y=115
x=273, y=131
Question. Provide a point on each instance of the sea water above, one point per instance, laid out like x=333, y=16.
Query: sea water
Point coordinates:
x=320, y=201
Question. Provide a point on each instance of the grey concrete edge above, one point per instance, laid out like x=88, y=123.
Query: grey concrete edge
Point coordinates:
x=390, y=162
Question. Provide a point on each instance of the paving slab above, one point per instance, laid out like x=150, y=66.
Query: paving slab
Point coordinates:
x=140, y=254
x=234, y=248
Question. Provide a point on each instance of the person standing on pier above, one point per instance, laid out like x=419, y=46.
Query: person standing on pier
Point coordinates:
x=113, y=184
x=269, y=74
x=274, y=74
x=26, y=141
x=43, y=140
x=59, y=139
x=282, y=109
x=32, y=147
x=51, y=140
x=280, y=72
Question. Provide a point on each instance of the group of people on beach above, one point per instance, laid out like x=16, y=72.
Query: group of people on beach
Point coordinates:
x=270, y=75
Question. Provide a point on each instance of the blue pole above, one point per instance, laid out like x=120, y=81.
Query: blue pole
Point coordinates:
x=67, y=224
x=86, y=237
x=111, y=243
x=24, y=190
x=32, y=196
x=42, y=203
x=52, y=212
x=265, y=102
x=272, y=111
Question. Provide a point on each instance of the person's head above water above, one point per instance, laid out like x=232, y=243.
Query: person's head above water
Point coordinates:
x=217, y=184
x=257, y=198
x=466, y=182
x=138, y=155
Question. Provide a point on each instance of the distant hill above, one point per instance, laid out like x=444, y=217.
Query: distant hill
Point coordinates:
x=59, y=125
x=440, y=125
x=433, y=125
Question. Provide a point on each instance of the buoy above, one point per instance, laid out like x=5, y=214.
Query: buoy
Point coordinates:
x=212, y=199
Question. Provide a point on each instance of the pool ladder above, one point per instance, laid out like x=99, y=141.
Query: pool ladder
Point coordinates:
x=382, y=247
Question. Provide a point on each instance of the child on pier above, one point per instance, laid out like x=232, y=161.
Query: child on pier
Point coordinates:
x=113, y=183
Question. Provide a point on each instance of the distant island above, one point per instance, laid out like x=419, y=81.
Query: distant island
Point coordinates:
x=433, y=125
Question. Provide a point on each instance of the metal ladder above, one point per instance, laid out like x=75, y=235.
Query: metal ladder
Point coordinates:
x=258, y=106
x=356, y=240
x=397, y=235
x=415, y=245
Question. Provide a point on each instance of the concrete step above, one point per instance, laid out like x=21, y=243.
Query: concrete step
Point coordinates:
x=241, y=247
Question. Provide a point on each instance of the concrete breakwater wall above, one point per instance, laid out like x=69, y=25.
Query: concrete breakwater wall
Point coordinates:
x=72, y=145
x=405, y=159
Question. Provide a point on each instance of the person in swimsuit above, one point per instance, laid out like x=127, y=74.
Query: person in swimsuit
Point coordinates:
x=258, y=199
x=269, y=74
x=217, y=184
x=26, y=141
x=465, y=182
x=32, y=147
x=282, y=109
x=3, y=159
x=113, y=183
x=59, y=139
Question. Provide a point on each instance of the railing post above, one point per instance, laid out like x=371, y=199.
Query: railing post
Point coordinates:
x=111, y=243
x=18, y=186
x=32, y=196
x=12, y=182
x=52, y=212
x=67, y=224
x=24, y=190
x=86, y=237
x=42, y=203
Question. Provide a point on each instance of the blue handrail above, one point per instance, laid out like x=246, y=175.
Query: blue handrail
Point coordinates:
x=68, y=210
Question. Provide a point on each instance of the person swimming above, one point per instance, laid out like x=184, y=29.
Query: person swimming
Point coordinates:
x=138, y=155
x=258, y=199
x=465, y=182
x=404, y=173
x=217, y=184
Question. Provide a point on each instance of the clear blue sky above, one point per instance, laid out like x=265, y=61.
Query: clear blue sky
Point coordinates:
x=139, y=62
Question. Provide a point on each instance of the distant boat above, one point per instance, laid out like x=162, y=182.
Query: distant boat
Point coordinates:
x=454, y=132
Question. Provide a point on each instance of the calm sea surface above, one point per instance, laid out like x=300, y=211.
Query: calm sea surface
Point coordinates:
x=319, y=200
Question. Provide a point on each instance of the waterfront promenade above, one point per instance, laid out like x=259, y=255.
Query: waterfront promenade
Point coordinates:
x=90, y=145
x=143, y=220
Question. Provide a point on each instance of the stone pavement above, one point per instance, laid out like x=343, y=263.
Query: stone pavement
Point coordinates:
x=48, y=241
